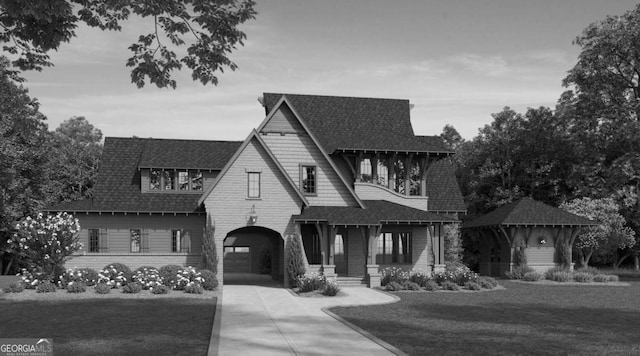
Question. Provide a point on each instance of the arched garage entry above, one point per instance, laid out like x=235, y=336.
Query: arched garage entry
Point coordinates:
x=252, y=254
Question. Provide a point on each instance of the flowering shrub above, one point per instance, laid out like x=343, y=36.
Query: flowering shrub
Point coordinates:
x=210, y=279
x=160, y=289
x=518, y=272
x=132, y=288
x=605, y=278
x=169, y=275
x=15, y=287
x=188, y=277
x=431, y=286
x=76, y=287
x=393, y=286
x=472, y=286
x=583, y=277
x=393, y=274
x=111, y=277
x=147, y=277
x=102, y=288
x=450, y=285
x=311, y=282
x=408, y=285
x=46, y=242
x=331, y=289
x=193, y=289
x=46, y=287
x=121, y=267
x=30, y=280
x=420, y=277
x=458, y=274
x=561, y=276
x=549, y=273
x=533, y=276
x=487, y=282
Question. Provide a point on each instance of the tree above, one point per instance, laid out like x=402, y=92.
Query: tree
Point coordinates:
x=603, y=240
x=209, y=252
x=295, y=257
x=452, y=244
x=451, y=137
x=32, y=28
x=25, y=186
x=78, y=148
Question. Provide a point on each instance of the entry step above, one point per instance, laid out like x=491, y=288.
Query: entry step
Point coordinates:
x=349, y=281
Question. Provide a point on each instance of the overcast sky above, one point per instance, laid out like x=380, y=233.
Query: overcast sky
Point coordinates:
x=457, y=61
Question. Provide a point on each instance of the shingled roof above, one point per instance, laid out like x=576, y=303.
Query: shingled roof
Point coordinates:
x=442, y=188
x=376, y=212
x=528, y=212
x=118, y=187
x=348, y=123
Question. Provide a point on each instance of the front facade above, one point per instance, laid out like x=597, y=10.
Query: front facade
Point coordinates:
x=346, y=176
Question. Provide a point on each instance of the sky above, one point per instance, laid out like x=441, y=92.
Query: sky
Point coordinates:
x=458, y=62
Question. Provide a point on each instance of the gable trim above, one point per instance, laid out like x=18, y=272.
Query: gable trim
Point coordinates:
x=253, y=134
x=284, y=99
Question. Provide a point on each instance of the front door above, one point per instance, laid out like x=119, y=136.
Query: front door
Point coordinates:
x=340, y=257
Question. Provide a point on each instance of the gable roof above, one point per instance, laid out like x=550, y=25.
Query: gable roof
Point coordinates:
x=443, y=189
x=253, y=135
x=528, y=212
x=377, y=212
x=187, y=154
x=118, y=181
x=349, y=123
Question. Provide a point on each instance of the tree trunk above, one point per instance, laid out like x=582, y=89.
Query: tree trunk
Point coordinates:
x=636, y=263
x=6, y=271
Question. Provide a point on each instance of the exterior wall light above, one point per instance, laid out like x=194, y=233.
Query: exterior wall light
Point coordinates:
x=541, y=240
x=252, y=218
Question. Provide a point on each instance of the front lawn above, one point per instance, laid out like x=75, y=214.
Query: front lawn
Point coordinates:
x=113, y=326
x=521, y=319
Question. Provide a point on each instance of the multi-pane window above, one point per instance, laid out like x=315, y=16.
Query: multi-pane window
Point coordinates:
x=253, y=185
x=169, y=180
x=394, y=248
x=94, y=240
x=365, y=170
x=309, y=181
x=136, y=239
x=155, y=179
x=196, y=180
x=183, y=180
x=176, y=240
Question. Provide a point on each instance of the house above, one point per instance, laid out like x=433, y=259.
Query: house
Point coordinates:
x=525, y=232
x=346, y=175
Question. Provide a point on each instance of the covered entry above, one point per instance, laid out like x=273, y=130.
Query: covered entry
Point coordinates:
x=254, y=250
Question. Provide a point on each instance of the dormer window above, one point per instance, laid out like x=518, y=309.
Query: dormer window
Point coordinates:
x=175, y=180
x=308, y=180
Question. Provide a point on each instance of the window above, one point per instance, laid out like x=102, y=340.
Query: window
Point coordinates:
x=94, y=240
x=154, y=179
x=394, y=248
x=253, y=185
x=365, y=170
x=169, y=177
x=196, y=180
x=176, y=239
x=183, y=180
x=308, y=180
x=135, y=240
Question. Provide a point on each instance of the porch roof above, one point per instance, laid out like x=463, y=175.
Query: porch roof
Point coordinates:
x=377, y=212
x=528, y=212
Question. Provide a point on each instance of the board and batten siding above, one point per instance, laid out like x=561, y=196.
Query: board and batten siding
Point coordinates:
x=115, y=228
x=229, y=205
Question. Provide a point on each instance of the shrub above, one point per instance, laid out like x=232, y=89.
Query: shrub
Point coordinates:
x=590, y=270
x=533, y=276
x=549, y=273
x=487, y=282
x=605, y=278
x=148, y=277
x=194, y=289
x=456, y=273
x=102, y=288
x=15, y=287
x=90, y=276
x=311, y=282
x=408, y=285
x=210, y=280
x=472, y=286
x=142, y=268
x=295, y=257
x=120, y=267
x=419, y=277
x=169, y=275
x=188, y=276
x=393, y=274
x=132, y=288
x=46, y=287
x=450, y=285
x=76, y=287
x=583, y=277
x=431, y=286
x=561, y=276
x=29, y=279
x=159, y=289
x=112, y=277
x=87, y=276
x=518, y=272
x=393, y=286
x=331, y=289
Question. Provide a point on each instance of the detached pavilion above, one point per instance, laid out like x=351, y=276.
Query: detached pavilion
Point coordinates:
x=525, y=228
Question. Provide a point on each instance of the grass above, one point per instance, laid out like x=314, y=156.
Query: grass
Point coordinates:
x=521, y=319
x=111, y=324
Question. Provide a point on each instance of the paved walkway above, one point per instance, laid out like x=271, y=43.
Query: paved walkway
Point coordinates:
x=269, y=320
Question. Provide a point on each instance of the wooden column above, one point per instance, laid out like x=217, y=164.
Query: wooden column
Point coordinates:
x=332, y=244
x=391, y=182
x=322, y=233
x=424, y=165
x=374, y=168
x=407, y=174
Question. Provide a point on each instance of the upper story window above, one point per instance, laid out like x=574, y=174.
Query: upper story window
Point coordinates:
x=308, y=179
x=171, y=180
x=253, y=185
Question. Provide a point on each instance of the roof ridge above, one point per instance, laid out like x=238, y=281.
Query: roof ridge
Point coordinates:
x=170, y=139
x=336, y=96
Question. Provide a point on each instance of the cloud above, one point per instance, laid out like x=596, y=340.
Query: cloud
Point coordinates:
x=486, y=65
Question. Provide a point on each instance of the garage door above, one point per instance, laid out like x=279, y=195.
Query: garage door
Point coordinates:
x=237, y=259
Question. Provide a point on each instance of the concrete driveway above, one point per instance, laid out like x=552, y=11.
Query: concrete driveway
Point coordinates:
x=270, y=320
